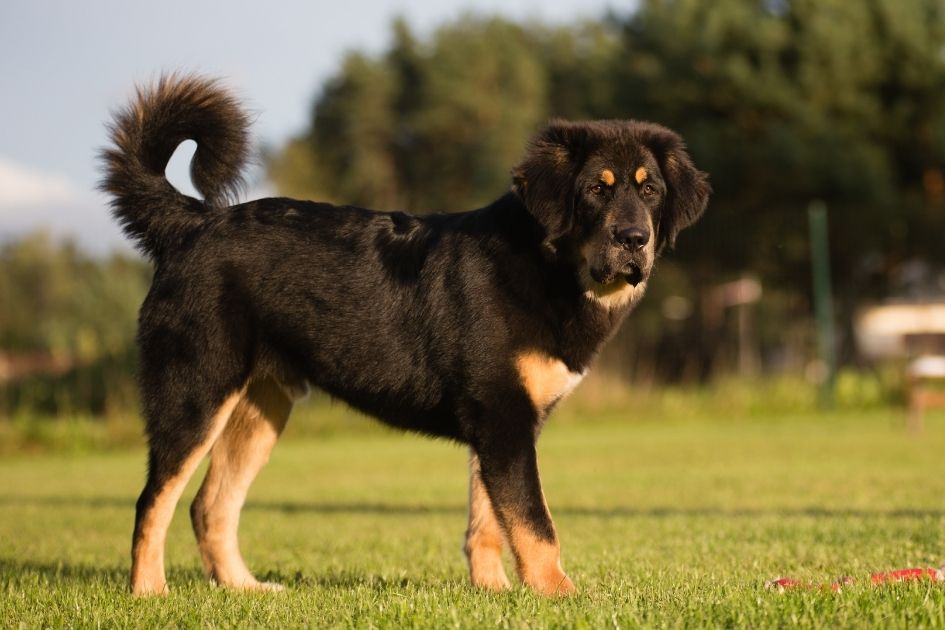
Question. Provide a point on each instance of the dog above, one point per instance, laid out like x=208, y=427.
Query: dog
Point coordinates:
x=469, y=326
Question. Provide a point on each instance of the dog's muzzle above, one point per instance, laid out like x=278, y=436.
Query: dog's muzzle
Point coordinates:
x=633, y=272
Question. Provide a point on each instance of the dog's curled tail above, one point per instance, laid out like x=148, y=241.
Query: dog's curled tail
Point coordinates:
x=144, y=136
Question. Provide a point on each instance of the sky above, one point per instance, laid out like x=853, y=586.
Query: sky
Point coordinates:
x=65, y=65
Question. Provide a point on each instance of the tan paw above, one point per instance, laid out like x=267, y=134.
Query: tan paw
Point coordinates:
x=251, y=585
x=553, y=584
x=491, y=578
x=149, y=588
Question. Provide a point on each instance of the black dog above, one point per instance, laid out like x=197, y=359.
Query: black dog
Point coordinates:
x=468, y=326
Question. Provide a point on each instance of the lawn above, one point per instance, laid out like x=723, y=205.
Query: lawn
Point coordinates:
x=663, y=523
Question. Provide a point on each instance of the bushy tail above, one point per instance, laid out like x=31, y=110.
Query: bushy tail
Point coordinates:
x=145, y=135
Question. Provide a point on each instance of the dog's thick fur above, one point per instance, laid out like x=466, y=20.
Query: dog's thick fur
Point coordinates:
x=469, y=326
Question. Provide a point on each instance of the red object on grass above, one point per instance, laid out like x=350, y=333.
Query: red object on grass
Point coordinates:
x=908, y=575
x=845, y=580
x=782, y=584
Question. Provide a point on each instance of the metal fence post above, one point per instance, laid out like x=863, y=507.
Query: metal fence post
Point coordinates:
x=823, y=298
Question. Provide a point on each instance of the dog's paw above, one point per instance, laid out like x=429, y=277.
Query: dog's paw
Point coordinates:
x=565, y=587
x=492, y=581
x=555, y=584
x=486, y=571
x=149, y=589
x=258, y=587
x=148, y=583
x=250, y=585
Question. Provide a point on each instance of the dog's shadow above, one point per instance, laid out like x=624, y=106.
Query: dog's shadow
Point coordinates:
x=347, y=580
x=400, y=509
x=60, y=572
x=63, y=574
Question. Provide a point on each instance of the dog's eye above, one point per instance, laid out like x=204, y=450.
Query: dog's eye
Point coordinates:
x=597, y=189
x=649, y=190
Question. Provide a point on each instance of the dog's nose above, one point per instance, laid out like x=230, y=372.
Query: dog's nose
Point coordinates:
x=633, y=238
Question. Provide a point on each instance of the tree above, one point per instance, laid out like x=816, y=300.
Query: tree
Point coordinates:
x=437, y=126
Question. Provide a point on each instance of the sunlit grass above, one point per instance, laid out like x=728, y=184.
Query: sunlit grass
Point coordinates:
x=669, y=522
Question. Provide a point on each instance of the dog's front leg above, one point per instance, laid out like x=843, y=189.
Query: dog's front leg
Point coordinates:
x=509, y=470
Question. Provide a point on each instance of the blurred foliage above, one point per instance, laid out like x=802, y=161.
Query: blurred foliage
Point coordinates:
x=770, y=398
x=102, y=386
x=67, y=327
x=437, y=125
x=785, y=102
x=60, y=301
x=602, y=398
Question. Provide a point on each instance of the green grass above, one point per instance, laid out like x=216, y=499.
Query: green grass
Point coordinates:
x=669, y=523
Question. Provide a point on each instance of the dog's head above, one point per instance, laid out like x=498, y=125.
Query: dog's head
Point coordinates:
x=610, y=195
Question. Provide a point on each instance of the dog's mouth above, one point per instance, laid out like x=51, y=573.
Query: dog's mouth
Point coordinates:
x=633, y=274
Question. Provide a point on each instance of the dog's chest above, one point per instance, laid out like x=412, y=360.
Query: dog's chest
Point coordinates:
x=546, y=379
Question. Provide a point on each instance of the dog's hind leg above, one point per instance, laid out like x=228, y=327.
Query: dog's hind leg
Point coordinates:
x=177, y=445
x=484, y=536
x=236, y=458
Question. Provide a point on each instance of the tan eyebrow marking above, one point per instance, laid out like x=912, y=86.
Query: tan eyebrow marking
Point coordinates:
x=607, y=176
x=640, y=175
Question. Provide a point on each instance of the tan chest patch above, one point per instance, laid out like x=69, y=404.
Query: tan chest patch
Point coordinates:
x=545, y=378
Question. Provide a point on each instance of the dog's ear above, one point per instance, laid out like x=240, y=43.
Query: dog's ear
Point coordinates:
x=688, y=188
x=544, y=179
